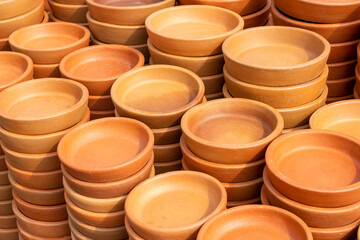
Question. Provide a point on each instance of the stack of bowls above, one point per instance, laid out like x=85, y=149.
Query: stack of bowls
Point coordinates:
x=357, y=75
x=122, y=22
x=97, y=67
x=100, y=171
x=337, y=21
x=73, y=11
x=316, y=175
x=277, y=66
x=195, y=42
x=34, y=115
x=158, y=96
x=173, y=206
x=46, y=44
x=227, y=139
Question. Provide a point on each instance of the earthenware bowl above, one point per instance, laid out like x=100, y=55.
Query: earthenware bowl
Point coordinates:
x=23, y=235
x=9, y=234
x=100, y=103
x=71, y=2
x=163, y=167
x=258, y=18
x=190, y=197
x=269, y=222
x=75, y=234
x=342, y=70
x=241, y=53
x=54, y=19
x=346, y=232
x=132, y=234
x=343, y=52
x=213, y=84
x=97, y=67
x=69, y=13
x=5, y=192
x=48, y=43
x=159, y=103
x=337, y=99
x=244, y=190
x=6, y=207
x=221, y=144
x=341, y=87
x=4, y=178
x=8, y=221
x=13, y=8
x=122, y=145
x=189, y=37
x=56, y=104
x=101, y=114
x=326, y=176
x=241, y=203
x=166, y=153
x=46, y=71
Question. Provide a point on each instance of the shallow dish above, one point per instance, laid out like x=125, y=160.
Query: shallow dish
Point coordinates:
x=101, y=114
x=170, y=166
x=213, y=84
x=100, y=103
x=243, y=191
x=343, y=52
x=132, y=234
x=54, y=19
x=258, y=18
x=342, y=70
x=14, y=8
x=198, y=34
x=75, y=234
x=167, y=153
x=46, y=71
x=69, y=13
x=341, y=87
x=23, y=235
x=72, y=2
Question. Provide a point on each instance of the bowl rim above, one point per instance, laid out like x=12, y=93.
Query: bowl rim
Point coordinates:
x=21, y=172
x=139, y=7
x=28, y=205
x=259, y=13
x=29, y=13
x=110, y=25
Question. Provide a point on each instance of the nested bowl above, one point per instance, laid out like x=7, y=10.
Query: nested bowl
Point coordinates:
x=46, y=71
x=69, y=12
x=341, y=87
x=164, y=167
x=343, y=52
x=337, y=99
x=23, y=235
x=55, y=19
x=342, y=70
x=14, y=8
x=8, y=222
x=259, y=56
x=9, y=234
x=213, y=84
x=42, y=106
x=132, y=234
x=157, y=95
x=101, y=114
x=258, y=18
x=100, y=103
x=242, y=203
x=4, y=178
x=244, y=190
x=166, y=153
x=6, y=207
x=198, y=34
x=48, y=43
x=5, y=192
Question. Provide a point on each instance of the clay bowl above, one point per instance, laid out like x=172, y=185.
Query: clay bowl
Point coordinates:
x=163, y=167
x=343, y=52
x=214, y=96
x=34, y=16
x=5, y=207
x=241, y=53
x=190, y=39
x=228, y=173
x=75, y=234
x=97, y=67
x=8, y=222
x=13, y=8
x=15, y=68
x=342, y=70
x=101, y=114
x=48, y=43
x=213, y=84
x=258, y=18
x=117, y=34
x=341, y=87
x=23, y=235
x=166, y=153
x=123, y=145
x=100, y=103
x=242, y=203
x=327, y=177
x=41, y=228
x=56, y=104
x=9, y=234
x=5, y=192
x=269, y=222
x=202, y=66
x=41, y=213
x=347, y=232
x=69, y=13
x=4, y=178
x=334, y=33
x=46, y=71
x=132, y=234
x=54, y=19
x=36, y=180
x=208, y=137
x=159, y=103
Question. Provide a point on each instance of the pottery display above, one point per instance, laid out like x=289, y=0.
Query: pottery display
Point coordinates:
x=23, y=235
x=68, y=13
x=13, y=8
x=9, y=234
x=342, y=70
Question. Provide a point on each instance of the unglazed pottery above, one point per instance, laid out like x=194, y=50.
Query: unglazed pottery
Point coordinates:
x=341, y=87
x=244, y=190
x=241, y=203
x=342, y=70
x=214, y=96
x=174, y=205
x=258, y=18
x=259, y=56
x=48, y=43
x=132, y=234
x=69, y=13
x=101, y=114
x=209, y=130
x=122, y=12
x=322, y=171
x=43, y=106
x=255, y=222
x=337, y=99
x=347, y=232
x=100, y=103
x=119, y=148
x=8, y=222
x=213, y=84
x=287, y=130
x=343, y=52
x=5, y=192
x=157, y=95
x=54, y=19
x=9, y=234
x=13, y=8
x=97, y=67
x=46, y=71
x=23, y=235
x=75, y=234
x=6, y=207
x=4, y=178
x=163, y=167
x=166, y=153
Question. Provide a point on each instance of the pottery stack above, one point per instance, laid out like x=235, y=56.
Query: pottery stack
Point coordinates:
x=100, y=171
x=122, y=22
x=277, y=66
x=336, y=21
x=34, y=115
x=97, y=68
x=73, y=11
x=315, y=175
x=235, y=157
x=195, y=42
x=357, y=74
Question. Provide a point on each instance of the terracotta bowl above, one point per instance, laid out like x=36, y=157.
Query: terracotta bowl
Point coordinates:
x=41, y=228
x=30, y=152
x=4, y=178
x=13, y=8
x=213, y=84
x=132, y=234
x=34, y=16
x=202, y=66
x=159, y=103
x=122, y=145
x=323, y=171
x=337, y=99
x=5, y=193
x=241, y=53
x=342, y=70
x=101, y=114
x=347, y=232
x=75, y=234
x=341, y=87
x=97, y=67
x=8, y=222
x=189, y=197
x=6, y=207
x=163, y=167
x=46, y=71
x=242, y=203
x=23, y=235
x=69, y=13
x=243, y=191
x=269, y=222
x=207, y=135
x=258, y=18
x=343, y=52
x=56, y=104
x=14, y=68
x=199, y=33
x=54, y=19
x=166, y=153
x=48, y=43
x=100, y=103
x=9, y=234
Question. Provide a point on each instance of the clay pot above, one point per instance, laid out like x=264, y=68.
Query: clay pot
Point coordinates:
x=100, y=103
x=244, y=190
x=34, y=16
x=41, y=228
x=159, y=103
x=166, y=153
x=132, y=234
x=123, y=145
x=189, y=38
x=69, y=13
x=242, y=203
x=287, y=130
x=347, y=232
x=6, y=208
x=4, y=178
x=101, y=114
x=13, y=8
x=56, y=41
x=58, y=112
x=214, y=96
x=46, y=71
x=9, y=234
x=341, y=87
x=97, y=67
x=337, y=99
x=258, y=18
x=5, y=193
x=329, y=155
x=207, y=135
x=163, y=167
x=342, y=70
x=15, y=68
x=7, y=222
x=343, y=52
x=269, y=222
x=202, y=66
x=307, y=61
x=23, y=235
x=213, y=84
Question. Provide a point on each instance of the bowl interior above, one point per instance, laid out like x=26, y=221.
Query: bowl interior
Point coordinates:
x=126, y=3
x=12, y=66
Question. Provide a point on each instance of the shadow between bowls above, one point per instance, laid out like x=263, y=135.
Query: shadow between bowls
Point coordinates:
x=164, y=167
x=69, y=12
